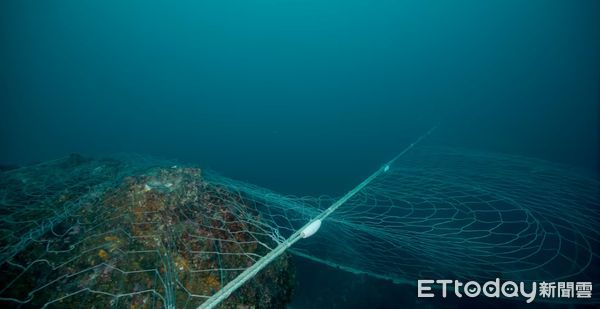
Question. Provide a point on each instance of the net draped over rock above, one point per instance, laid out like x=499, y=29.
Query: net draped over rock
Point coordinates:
x=79, y=232
x=135, y=232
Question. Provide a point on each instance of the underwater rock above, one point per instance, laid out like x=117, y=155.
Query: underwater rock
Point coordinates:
x=138, y=238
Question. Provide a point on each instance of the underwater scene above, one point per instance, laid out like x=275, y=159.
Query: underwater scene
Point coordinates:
x=299, y=154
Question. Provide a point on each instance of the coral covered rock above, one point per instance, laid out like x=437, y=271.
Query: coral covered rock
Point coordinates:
x=103, y=234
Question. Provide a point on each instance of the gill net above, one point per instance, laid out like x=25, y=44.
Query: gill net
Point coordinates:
x=135, y=232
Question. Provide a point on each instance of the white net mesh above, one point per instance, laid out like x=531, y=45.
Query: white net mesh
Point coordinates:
x=106, y=233
x=77, y=232
x=441, y=213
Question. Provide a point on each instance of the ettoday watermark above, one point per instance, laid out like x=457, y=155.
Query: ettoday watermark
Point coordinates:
x=507, y=289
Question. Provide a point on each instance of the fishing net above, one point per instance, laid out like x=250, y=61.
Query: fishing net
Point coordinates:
x=144, y=233
x=443, y=213
x=86, y=233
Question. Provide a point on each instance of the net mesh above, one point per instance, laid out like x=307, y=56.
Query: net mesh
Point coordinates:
x=444, y=213
x=83, y=233
x=137, y=232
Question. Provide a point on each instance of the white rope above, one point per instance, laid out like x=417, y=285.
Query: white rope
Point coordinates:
x=250, y=272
